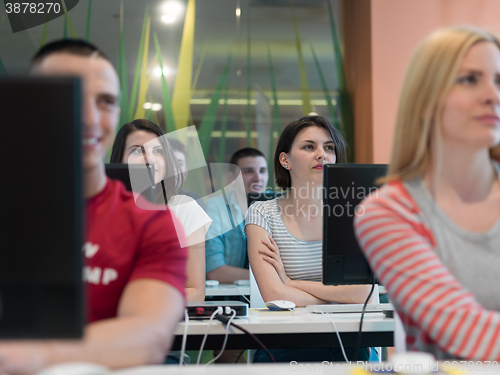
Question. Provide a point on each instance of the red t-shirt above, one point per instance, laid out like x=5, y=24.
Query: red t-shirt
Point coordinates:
x=125, y=243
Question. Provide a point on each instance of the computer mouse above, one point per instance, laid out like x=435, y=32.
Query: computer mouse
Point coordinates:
x=279, y=305
x=75, y=368
x=211, y=283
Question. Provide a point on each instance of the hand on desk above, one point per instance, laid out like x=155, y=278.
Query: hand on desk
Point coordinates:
x=26, y=357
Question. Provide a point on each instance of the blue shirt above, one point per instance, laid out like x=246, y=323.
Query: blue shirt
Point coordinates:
x=226, y=241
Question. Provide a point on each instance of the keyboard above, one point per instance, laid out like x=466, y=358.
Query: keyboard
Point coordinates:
x=349, y=308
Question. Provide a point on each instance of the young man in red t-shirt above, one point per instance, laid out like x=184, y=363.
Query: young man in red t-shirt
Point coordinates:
x=134, y=267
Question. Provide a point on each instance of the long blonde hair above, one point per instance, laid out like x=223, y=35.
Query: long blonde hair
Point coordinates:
x=429, y=78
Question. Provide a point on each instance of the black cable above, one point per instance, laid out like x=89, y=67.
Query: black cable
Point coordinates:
x=148, y=166
x=151, y=176
x=164, y=192
x=361, y=321
x=225, y=319
x=239, y=356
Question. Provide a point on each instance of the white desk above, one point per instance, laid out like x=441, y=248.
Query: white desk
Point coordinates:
x=254, y=369
x=325, y=368
x=223, y=369
x=302, y=329
x=224, y=290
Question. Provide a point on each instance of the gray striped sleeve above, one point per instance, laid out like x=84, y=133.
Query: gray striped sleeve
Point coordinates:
x=258, y=215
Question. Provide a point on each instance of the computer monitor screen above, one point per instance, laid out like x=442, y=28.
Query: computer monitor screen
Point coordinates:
x=41, y=204
x=344, y=187
x=265, y=196
x=135, y=177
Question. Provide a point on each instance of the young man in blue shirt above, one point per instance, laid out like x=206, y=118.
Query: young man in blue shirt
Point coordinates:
x=226, y=253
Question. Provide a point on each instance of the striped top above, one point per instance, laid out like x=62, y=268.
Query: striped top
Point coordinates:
x=302, y=259
x=441, y=281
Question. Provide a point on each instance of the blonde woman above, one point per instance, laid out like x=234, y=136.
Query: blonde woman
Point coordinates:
x=432, y=233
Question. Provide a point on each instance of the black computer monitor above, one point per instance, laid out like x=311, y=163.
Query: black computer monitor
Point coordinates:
x=344, y=187
x=261, y=197
x=41, y=203
x=135, y=177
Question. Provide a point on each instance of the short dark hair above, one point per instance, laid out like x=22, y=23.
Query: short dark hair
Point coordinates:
x=177, y=146
x=118, y=150
x=244, y=153
x=286, y=139
x=76, y=47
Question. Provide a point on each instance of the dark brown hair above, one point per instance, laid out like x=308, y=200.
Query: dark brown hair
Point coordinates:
x=244, y=153
x=76, y=47
x=175, y=180
x=177, y=146
x=285, y=142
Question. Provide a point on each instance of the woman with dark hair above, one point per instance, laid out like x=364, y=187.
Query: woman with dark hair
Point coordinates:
x=129, y=148
x=285, y=234
x=142, y=139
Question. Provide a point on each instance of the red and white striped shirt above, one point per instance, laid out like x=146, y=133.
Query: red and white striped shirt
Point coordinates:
x=439, y=314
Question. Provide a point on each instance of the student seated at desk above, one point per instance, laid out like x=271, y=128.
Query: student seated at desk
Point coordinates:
x=140, y=136
x=131, y=317
x=226, y=250
x=226, y=247
x=285, y=234
x=432, y=233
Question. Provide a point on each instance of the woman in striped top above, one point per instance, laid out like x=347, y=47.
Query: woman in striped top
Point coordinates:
x=432, y=233
x=284, y=235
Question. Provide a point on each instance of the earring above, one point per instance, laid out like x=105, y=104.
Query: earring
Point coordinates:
x=286, y=166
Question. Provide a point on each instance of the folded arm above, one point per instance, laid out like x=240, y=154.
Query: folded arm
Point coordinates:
x=269, y=252
x=333, y=293
x=268, y=279
x=217, y=269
